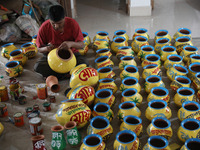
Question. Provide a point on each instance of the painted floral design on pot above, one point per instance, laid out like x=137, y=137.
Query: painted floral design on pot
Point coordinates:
x=145, y=50
x=100, y=44
x=196, y=81
x=190, y=128
x=58, y=141
x=127, y=140
x=189, y=109
x=157, y=108
x=160, y=93
x=102, y=35
x=173, y=59
x=160, y=126
x=93, y=142
x=7, y=49
x=193, y=58
x=151, y=59
x=128, y=108
x=87, y=39
x=84, y=50
x=29, y=49
x=103, y=61
x=176, y=70
x=132, y=95
x=156, y=143
x=107, y=83
x=180, y=81
x=106, y=72
x=153, y=81
x=103, y=52
x=132, y=123
x=103, y=109
x=18, y=55
x=181, y=42
x=126, y=60
x=104, y=96
x=100, y=125
x=59, y=59
x=130, y=82
x=124, y=51
x=194, y=68
x=162, y=34
x=160, y=43
x=118, y=42
x=140, y=32
x=13, y=68
x=190, y=144
x=166, y=51
x=130, y=71
x=187, y=51
x=152, y=69
x=83, y=75
x=184, y=94
x=138, y=43
x=182, y=32
x=73, y=110
x=121, y=33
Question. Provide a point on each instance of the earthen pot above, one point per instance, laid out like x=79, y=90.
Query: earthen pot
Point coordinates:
x=52, y=82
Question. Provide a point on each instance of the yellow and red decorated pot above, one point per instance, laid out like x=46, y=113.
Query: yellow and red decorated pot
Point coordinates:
x=126, y=60
x=145, y=50
x=73, y=110
x=107, y=83
x=103, y=61
x=103, y=52
x=196, y=81
x=187, y=51
x=176, y=70
x=152, y=69
x=182, y=32
x=118, y=42
x=106, y=72
x=130, y=71
x=130, y=82
x=121, y=33
x=34, y=38
x=18, y=55
x=180, y=81
x=160, y=43
x=193, y=69
x=13, y=68
x=173, y=59
x=138, y=43
x=181, y=42
x=162, y=34
x=84, y=50
x=140, y=32
x=7, y=49
x=102, y=35
x=124, y=51
x=151, y=59
x=193, y=58
x=29, y=49
x=100, y=44
x=166, y=51
x=87, y=39
x=191, y=143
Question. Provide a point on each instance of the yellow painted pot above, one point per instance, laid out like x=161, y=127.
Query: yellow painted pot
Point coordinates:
x=138, y=43
x=34, y=38
x=107, y=83
x=126, y=60
x=124, y=51
x=100, y=125
x=87, y=39
x=73, y=110
x=121, y=33
x=84, y=92
x=13, y=68
x=59, y=59
x=189, y=109
x=103, y=52
x=103, y=61
x=132, y=123
x=160, y=93
x=180, y=81
x=130, y=82
x=182, y=32
x=104, y=96
x=84, y=50
x=193, y=58
x=132, y=95
x=156, y=143
x=187, y=51
x=7, y=49
x=103, y=109
x=29, y=49
x=83, y=75
x=1, y=128
x=162, y=34
x=194, y=68
x=100, y=44
x=101, y=35
x=157, y=108
x=152, y=69
x=184, y=94
x=145, y=50
x=153, y=81
x=93, y=142
x=106, y=72
x=141, y=32
x=176, y=70
x=128, y=108
x=166, y=51
x=173, y=59
x=181, y=42
x=126, y=139
x=18, y=55
x=196, y=81
x=160, y=126
x=118, y=42
x=160, y=43
x=190, y=128
x=190, y=144
x=151, y=59
x=130, y=71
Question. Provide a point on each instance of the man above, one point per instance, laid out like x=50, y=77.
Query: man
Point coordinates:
x=58, y=32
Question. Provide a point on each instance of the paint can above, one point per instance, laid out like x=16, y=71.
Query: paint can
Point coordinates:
x=36, y=126
x=36, y=107
x=46, y=106
x=29, y=110
x=18, y=119
x=32, y=115
x=52, y=99
x=3, y=93
x=22, y=100
x=3, y=110
x=41, y=91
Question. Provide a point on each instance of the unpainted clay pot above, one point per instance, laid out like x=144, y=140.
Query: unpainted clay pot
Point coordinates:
x=52, y=82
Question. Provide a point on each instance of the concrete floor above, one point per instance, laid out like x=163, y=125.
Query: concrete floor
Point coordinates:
x=110, y=15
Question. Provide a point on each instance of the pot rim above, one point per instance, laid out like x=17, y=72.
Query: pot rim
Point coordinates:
x=185, y=88
x=23, y=45
x=152, y=76
x=101, y=118
x=105, y=104
x=115, y=33
x=157, y=100
x=156, y=55
x=70, y=51
x=73, y=124
x=129, y=89
x=8, y=44
x=145, y=46
x=98, y=32
x=57, y=128
x=106, y=67
x=16, y=51
x=176, y=55
x=196, y=49
x=14, y=61
x=161, y=30
x=110, y=80
x=85, y=33
x=136, y=38
x=194, y=55
x=184, y=78
x=99, y=50
x=184, y=29
x=143, y=29
x=119, y=37
x=168, y=46
x=190, y=120
x=133, y=78
x=120, y=105
x=107, y=90
x=191, y=140
x=92, y=135
x=124, y=47
x=183, y=37
x=161, y=118
x=125, y=57
x=145, y=67
x=168, y=40
x=132, y=66
x=158, y=137
x=190, y=102
x=107, y=57
x=162, y=88
x=132, y=116
x=195, y=63
x=178, y=65
x=37, y=138
x=126, y=131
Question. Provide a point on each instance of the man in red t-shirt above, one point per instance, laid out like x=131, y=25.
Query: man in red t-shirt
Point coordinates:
x=58, y=32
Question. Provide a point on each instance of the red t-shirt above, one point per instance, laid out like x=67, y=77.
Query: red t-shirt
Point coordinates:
x=47, y=34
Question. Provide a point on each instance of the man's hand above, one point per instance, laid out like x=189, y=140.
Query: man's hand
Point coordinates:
x=66, y=45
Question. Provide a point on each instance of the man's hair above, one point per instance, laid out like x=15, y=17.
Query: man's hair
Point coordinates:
x=56, y=13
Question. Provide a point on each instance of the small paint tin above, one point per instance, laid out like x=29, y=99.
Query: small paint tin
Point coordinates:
x=18, y=119
x=22, y=100
x=52, y=99
x=3, y=93
x=46, y=106
x=29, y=110
x=41, y=91
x=36, y=107
x=3, y=110
x=36, y=126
